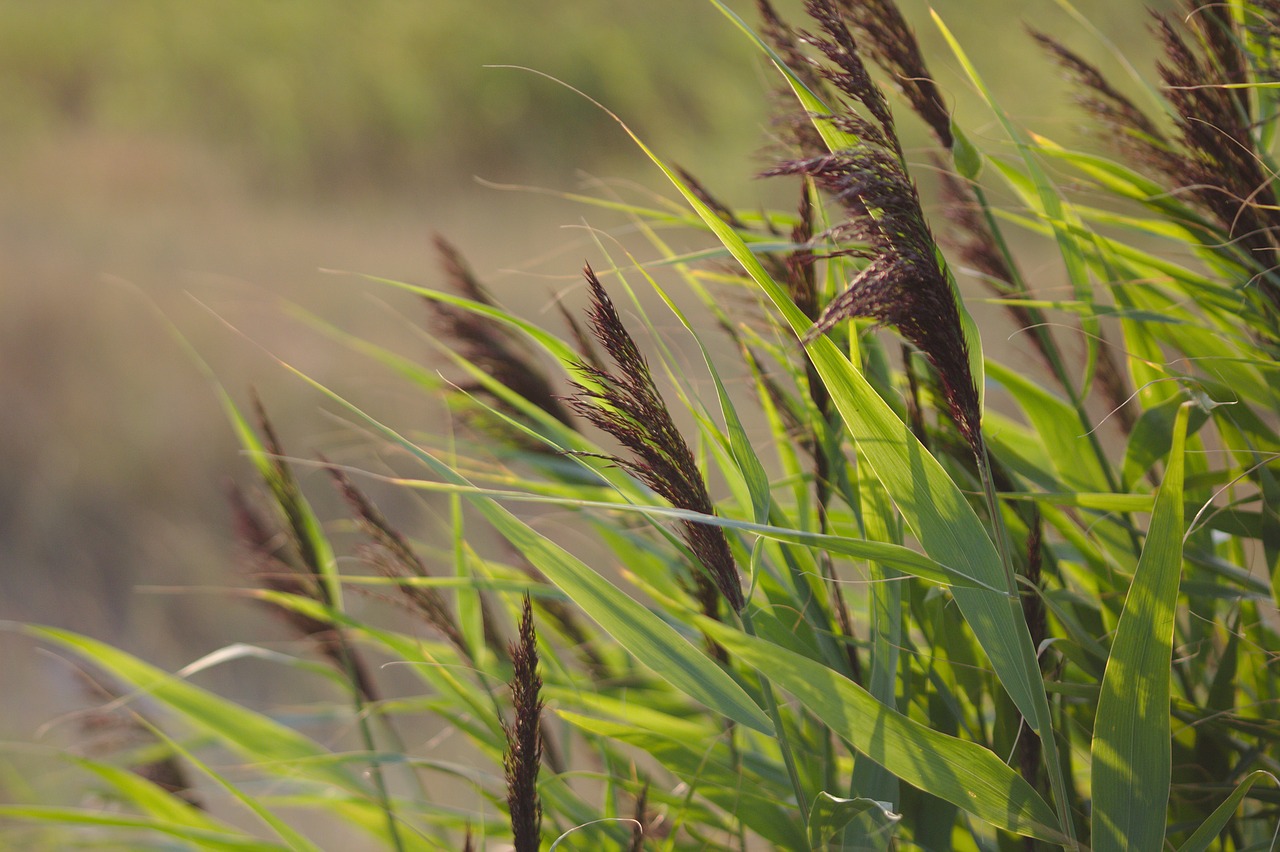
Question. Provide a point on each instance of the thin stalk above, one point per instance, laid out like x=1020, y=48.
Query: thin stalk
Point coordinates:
x=824, y=630
x=366, y=736
x=784, y=744
x=1057, y=782
x=735, y=757
x=1046, y=344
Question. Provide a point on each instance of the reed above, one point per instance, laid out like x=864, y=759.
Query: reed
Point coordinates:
x=884, y=586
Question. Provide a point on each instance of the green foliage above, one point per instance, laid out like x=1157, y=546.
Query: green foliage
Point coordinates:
x=886, y=626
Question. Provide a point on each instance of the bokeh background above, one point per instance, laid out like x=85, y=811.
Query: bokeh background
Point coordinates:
x=204, y=165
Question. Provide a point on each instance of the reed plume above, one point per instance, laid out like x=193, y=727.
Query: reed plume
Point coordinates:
x=624, y=401
x=523, y=756
x=487, y=343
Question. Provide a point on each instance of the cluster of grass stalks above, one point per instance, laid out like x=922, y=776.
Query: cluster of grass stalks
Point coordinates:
x=839, y=601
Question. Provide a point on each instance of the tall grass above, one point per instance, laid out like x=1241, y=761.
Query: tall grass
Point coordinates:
x=842, y=598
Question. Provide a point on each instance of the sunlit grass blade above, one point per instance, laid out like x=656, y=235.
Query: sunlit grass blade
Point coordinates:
x=291, y=836
x=1055, y=421
x=650, y=639
x=1211, y=829
x=892, y=555
x=744, y=454
x=707, y=767
x=254, y=736
x=1104, y=501
x=1059, y=216
x=201, y=838
x=835, y=138
x=958, y=771
x=830, y=814
x=871, y=780
x=151, y=798
x=1131, y=750
x=311, y=540
x=553, y=345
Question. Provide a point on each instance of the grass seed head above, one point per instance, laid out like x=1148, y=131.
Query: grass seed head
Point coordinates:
x=523, y=756
x=624, y=402
x=903, y=284
x=486, y=342
x=891, y=44
x=395, y=558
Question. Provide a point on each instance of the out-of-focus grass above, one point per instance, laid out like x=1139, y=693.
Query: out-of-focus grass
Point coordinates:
x=333, y=97
x=228, y=150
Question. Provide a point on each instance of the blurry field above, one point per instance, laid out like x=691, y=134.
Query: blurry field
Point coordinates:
x=211, y=158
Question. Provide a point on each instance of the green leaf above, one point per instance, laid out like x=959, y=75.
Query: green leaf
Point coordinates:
x=930, y=502
x=1131, y=735
x=1058, y=425
x=554, y=346
x=1060, y=216
x=296, y=510
x=1104, y=501
x=961, y=772
x=262, y=741
x=1212, y=827
x=885, y=630
x=744, y=455
x=966, y=156
x=153, y=799
x=650, y=639
x=819, y=113
x=1152, y=436
x=201, y=838
x=829, y=814
x=892, y=555
x=708, y=767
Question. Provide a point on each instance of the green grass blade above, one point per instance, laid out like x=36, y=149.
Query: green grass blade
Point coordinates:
x=1104, y=501
x=835, y=138
x=151, y=798
x=251, y=803
x=200, y=838
x=311, y=535
x=250, y=734
x=958, y=771
x=744, y=455
x=830, y=814
x=888, y=554
x=870, y=780
x=706, y=765
x=556, y=347
x=932, y=505
x=1055, y=421
x=1060, y=218
x=1131, y=736
x=1212, y=827
x=650, y=639
x=930, y=502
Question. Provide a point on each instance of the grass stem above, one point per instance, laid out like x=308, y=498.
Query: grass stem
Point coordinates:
x=784, y=743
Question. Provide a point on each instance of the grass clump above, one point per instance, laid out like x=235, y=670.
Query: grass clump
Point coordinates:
x=851, y=604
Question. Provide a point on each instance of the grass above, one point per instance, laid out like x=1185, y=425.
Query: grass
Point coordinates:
x=817, y=568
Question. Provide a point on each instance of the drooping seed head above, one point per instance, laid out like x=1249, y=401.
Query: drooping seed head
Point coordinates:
x=624, y=401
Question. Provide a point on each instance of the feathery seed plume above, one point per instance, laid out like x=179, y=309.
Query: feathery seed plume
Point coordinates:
x=524, y=738
x=273, y=563
x=625, y=403
x=396, y=559
x=485, y=342
x=892, y=45
x=903, y=284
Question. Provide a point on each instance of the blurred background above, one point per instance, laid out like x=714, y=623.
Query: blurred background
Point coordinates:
x=206, y=165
